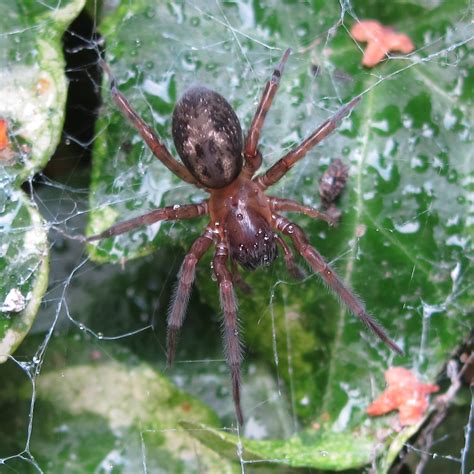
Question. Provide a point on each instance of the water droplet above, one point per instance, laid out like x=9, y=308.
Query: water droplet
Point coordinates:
x=188, y=62
x=290, y=229
x=150, y=12
x=176, y=206
x=81, y=327
x=141, y=168
x=409, y=227
x=100, y=335
x=211, y=67
x=36, y=360
x=302, y=30
x=240, y=216
x=452, y=176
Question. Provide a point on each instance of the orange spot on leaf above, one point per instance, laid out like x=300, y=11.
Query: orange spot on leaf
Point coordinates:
x=4, y=143
x=42, y=86
x=380, y=40
x=404, y=393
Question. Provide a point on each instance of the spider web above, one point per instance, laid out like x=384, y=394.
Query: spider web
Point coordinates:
x=102, y=325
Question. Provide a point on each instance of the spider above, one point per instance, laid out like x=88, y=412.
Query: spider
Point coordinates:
x=245, y=224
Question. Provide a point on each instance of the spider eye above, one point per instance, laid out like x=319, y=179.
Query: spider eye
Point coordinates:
x=208, y=137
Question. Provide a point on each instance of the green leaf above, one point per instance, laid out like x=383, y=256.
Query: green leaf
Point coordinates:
x=33, y=91
x=98, y=408
x=325, y=450
x=404, y=239
x=24, y=269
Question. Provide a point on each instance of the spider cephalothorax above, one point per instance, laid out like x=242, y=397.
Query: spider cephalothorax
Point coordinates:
x=244, y=222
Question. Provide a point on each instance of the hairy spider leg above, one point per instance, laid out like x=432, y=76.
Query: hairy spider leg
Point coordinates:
x=177, y=311
x=329, y=276
x=253, y=159
x=232, y=345
x=280, y=204
x=147, y=133
x=176, y=213
x=238, y=279
x=295, y=271
x=283, y=165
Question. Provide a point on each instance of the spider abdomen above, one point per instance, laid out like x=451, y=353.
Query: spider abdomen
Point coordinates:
x=208, y=137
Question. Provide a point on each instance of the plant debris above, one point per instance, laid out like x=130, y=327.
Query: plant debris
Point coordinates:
x=404, y=393
x=381, y=40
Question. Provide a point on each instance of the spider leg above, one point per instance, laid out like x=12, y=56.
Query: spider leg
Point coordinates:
x=230, y=324
x=319, y=265
x=147, y=133
x=282, y=166
x=278, y=204
x=169, y=213
x=239, y=281
x=253, y=159
x=179, y=304
x=295, y=271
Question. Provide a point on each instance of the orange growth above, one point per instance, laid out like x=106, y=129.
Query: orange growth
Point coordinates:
x=381, y=40
x=404, y=393
x=3, y=134
x=43, y=85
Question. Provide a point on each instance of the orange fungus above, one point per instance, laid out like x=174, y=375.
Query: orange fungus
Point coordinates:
x=381, y=40
x=404, y=393
x=3, y=134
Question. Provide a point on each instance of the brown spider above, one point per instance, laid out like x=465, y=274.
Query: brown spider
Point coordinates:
x=244, y=221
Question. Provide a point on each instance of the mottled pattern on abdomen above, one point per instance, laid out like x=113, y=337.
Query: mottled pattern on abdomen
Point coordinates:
x=208, y=137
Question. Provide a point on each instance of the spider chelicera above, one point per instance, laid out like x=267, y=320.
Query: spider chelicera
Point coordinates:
x=244, y=223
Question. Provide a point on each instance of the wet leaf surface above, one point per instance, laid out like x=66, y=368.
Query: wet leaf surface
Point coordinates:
x=325, y=450
x=24, y=268
x=99, y=407
x=402, y=243
x=33, y=94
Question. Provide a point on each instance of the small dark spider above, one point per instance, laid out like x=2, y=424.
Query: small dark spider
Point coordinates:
x=244, y=222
